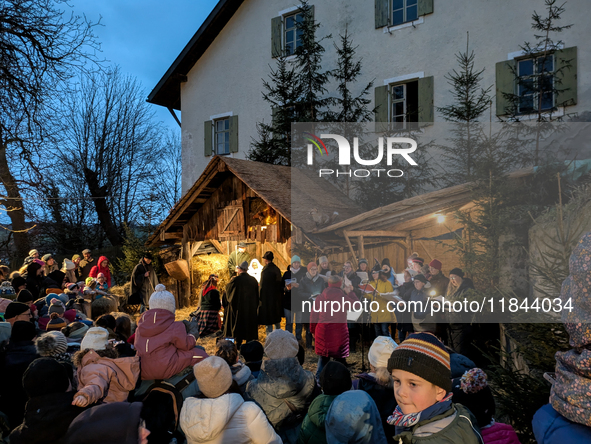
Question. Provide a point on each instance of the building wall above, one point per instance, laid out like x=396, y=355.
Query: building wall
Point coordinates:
x=228, y=77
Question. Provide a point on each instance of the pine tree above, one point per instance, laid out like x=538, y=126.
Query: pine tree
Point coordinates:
x=470, y=101
x=311, y=77
x=282, y=92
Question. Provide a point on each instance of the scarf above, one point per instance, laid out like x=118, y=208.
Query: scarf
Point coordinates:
x=207, y=290
x=402, y=421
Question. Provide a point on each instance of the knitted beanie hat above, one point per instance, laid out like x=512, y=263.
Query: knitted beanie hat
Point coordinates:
x=252, y=351
x=322, y=259
x=56, y=307
x=14, y=309
x=422, y=354
x=457, y=272
x=51, y=344
x=45, y=376
x=436, y=264
x=56, y=323
x=213, y=376
x=295, y=258
x=472, y=391
x=23, y=331
x=162, y=299
x=380, y=351
x=76, y=330
x=281, y=344
x=335, y=379
x=95, y=338
x=24, y=296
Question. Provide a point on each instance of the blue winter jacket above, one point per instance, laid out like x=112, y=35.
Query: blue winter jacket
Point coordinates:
x=550, y=427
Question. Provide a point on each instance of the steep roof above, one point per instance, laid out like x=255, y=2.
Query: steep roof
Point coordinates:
x=272, y=183
x=167, y=92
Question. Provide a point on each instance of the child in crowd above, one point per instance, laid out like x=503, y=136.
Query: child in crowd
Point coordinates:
x=162, y=343
x=421, y=372
x=472, y=391
x=101, y=282
x=378, y=382
x=335, y=379
x=253, y=352
x=222, y=416
x=102, y=374
x=354, y=419
x=241, y=373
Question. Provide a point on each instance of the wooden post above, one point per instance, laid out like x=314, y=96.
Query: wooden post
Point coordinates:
x=350, y=248
x=361, y=247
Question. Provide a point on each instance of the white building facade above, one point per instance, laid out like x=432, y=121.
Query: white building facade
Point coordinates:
x=407, y=47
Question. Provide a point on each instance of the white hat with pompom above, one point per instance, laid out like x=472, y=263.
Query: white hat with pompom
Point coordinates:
x=162, y=299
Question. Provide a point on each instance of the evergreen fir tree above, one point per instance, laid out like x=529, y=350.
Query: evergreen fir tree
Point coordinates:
x=282, y=92
x=470, y=101
x=311, y=78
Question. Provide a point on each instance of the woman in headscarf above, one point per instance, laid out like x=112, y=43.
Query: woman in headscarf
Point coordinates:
x=208, y=315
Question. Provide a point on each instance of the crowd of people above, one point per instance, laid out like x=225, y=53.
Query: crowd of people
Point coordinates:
x=73, y=375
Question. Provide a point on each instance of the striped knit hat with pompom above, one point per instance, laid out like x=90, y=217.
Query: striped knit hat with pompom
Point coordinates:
x=424, y=355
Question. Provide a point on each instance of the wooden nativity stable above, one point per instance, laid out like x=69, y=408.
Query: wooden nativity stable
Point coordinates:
x=238, y=200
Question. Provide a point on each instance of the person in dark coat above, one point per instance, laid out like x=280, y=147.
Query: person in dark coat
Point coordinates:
x=237, y=257
x=143, y=281
x=86, y=264
x=287, y=313
x=461, y=335
x=404, y=318
x=49, y=411
x=297, y=274
x=311, y=286
x=349, y=276
x=242, y=297
x=116, y=422
x=271, y=294
x=34, y=279
x=20, y=352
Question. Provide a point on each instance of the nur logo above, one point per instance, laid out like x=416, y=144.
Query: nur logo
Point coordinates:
x=395, y=146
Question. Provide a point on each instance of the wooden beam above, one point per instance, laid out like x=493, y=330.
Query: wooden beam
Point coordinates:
x=171, y=235
x=346, y=234
x=361, y=247
x=377, y=233
x=217, y=245
x=195, y=246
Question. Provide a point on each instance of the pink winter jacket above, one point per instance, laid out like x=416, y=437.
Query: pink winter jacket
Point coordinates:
x=111, y=379
x=164, y=346
x=499, y=433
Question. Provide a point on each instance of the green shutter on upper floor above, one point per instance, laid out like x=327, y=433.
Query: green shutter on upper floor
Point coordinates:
x=234, y=134
x=566, y=74
x=276, y=36
x=382, y=13
x=381, y=103
x=425, y=7
x=207, y=137
x=505, y=84
x=426, y=106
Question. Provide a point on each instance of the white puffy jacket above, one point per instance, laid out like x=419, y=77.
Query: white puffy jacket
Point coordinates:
x=227, y=419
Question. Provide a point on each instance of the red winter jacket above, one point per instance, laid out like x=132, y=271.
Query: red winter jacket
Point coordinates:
x=499, y=433
x=163, y=345
x=94, y=271
x=330, y=331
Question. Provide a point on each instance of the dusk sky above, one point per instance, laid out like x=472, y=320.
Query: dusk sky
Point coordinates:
x=144, y=37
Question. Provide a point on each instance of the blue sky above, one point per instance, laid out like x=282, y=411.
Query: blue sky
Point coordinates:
x=144, y=37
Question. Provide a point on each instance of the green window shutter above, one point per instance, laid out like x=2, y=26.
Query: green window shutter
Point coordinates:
x=382, y=13
x=381, y=103
x=505, y=84
x=234, y=134
x=425, y=7
x=426, y=108
x=565, y=61
x=207, y=137
x=276, y=36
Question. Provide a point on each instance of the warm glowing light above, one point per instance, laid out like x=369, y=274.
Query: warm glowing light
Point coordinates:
x=432, y=293
x=440, y=218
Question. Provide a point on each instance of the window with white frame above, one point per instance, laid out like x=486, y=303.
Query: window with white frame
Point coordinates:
x=404, y=11
x=221, y=139
x=292, y=36
x=404, y=104
x=535, y=84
